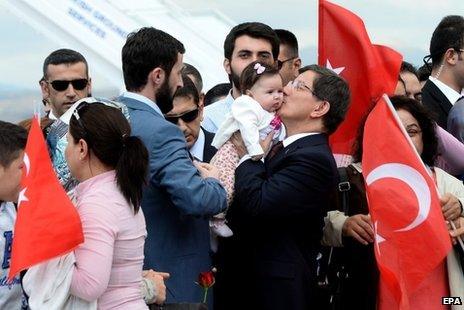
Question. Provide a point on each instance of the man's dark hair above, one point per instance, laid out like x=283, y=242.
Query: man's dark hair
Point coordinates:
x=426, y=124
x=216, y=92
x=408, y=67
x=423, y=73
x=288, y=39
x=448, y=34
x=145, y=50
x=191, y=70
x=64, y=56
x=330, y=87
x=255, y=30
x=13, y=139
x=188, y=90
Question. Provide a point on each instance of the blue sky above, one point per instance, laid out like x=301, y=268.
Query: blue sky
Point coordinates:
x=405, y=25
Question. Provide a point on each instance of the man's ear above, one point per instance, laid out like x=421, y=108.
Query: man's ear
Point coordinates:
x=157, y=76
x=44, y=87
x=297, y=64
x=451, y=56
x=89, y=87
x=226, y=65
x=321, y=109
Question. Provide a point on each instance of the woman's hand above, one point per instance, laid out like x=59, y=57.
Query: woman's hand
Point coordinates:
x=157, y=279
x=450, y=206
x=359, y=227
x=459, y=223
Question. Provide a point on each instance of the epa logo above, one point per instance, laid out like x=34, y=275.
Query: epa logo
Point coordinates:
x=451, y=301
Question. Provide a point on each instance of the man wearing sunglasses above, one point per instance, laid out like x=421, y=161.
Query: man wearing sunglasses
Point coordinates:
x=179, y=197
x=244, y=44
x=65, y=80
x=288, y=61
x=446, y=82
x=187, y=113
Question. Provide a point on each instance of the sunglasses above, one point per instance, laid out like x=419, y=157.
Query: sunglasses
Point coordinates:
x=186, y=117
x=61, y=85
x=280, y=63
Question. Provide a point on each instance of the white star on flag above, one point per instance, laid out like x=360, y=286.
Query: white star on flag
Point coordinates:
x=336, y=70
x=378, y=238
x=22, y=196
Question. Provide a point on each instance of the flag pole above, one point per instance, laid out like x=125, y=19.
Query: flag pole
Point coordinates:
x=461, y=243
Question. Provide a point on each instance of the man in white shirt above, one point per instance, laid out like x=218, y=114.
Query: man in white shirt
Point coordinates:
x=12, y=143
x=65, y=81
x=446, y=81
x=244, y=44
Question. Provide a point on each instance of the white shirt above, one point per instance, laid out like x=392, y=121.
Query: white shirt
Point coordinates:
x=11, y=295
x=52, y=116
x=215, y=113
x=198, y=147
x=143, y=99
x=289, y=140
x=450, y=93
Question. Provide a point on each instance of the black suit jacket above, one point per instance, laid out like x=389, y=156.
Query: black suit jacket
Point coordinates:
x=208, y=150
x=437, y=103
x=277, y=220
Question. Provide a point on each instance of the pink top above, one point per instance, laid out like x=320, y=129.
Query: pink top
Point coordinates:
x=109, y=262
x=450, y=150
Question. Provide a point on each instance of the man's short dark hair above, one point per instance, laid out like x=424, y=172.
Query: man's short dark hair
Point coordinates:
x=189, y=90
x=64, y=56
x=145, y=50
x=288, y=39
x=408, y=67
x=13, y=139
x=328, y=86
x=423, y=73
x=255, y=30
x=191, y=70
x=448, y=34
x=216, y=92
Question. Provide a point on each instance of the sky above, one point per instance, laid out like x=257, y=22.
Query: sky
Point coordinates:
x=405, y=25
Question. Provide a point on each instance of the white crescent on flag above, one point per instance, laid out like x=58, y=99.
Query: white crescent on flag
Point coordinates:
x=414, y=180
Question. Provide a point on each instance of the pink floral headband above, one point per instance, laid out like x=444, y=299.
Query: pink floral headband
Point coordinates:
x=259, y=68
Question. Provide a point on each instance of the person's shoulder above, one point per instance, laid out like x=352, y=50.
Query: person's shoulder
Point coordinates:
x=216, y=105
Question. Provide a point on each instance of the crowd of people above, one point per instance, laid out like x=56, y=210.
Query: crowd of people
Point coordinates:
x=170, y=181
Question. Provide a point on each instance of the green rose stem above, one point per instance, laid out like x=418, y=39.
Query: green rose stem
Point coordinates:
x=206, y=294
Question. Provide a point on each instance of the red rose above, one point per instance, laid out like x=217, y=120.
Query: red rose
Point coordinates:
x=206, y=279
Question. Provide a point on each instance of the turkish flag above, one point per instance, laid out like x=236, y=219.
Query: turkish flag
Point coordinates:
x=47, y=224
x=411, y=236
x=370, y=70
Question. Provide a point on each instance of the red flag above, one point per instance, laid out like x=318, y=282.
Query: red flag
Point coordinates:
x=411, y=235
x=47, y=224
x=370, y=70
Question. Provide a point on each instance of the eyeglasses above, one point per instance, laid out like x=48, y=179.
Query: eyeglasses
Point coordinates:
x=280, y=63
x=77, y=116
x=300, y=85
x=61, y=85
x=186, y=117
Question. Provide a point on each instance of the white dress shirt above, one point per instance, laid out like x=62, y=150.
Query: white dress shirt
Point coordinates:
x=143, y=99
x=450, y=93
x=198, y=147
x=215, y=113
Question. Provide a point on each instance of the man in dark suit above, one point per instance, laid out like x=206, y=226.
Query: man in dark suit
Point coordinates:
x=446, y=82
x=179, y=195
x=277, y=214
x=187, y=114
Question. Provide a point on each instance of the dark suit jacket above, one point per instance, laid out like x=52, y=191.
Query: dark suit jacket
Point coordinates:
x=437, y=103
x=177, y=204
x=277, y=220
x=208, y=150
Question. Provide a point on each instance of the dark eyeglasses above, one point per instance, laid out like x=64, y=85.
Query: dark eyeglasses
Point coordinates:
x=186, y=117
x=61, y=85
x=280, y=63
